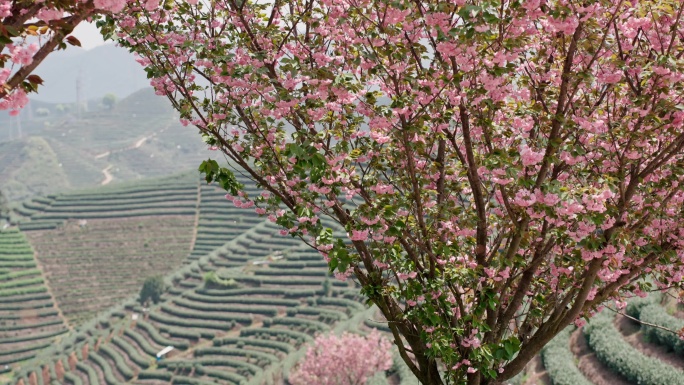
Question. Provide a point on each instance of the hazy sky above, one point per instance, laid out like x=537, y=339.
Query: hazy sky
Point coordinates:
x=89, y=36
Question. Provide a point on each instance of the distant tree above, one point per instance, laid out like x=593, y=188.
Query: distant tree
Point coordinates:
x=109, y=101
x=43, y=112
x=152, y=289
x=349, y=359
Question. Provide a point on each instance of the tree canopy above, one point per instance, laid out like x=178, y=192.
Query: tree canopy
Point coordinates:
x=348, y=359
x=502, y=167
x=152, y=290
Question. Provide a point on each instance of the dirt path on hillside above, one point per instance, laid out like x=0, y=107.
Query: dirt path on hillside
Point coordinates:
x=133, y=146
x=107, y=176
x=106, y=153
x=536, y=373
x=589, y=365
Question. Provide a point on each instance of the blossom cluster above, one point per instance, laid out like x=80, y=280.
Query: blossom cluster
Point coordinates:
x=35, y=32
x=489, y=171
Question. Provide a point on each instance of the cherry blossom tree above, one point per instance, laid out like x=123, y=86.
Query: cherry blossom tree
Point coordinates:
x=502, y=168
x=30, y=31
x=349, y=359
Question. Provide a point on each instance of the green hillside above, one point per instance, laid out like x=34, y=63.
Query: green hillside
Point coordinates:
x=58, y=151
x=97, y=246
x=30, y=166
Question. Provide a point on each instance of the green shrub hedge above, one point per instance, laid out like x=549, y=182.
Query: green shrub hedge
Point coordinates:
x=22, y=326
x=89, y=372
x=32, y=337
x=109, y=377
x=7, y=360
x=18, y=274
x=213, y=361
x=155, y=375
x=24, y=349
x=191, y=323
x=25, y=298
x=334, y=315
x=303, y=324
x=21, y=291
x=181, y=380
x=240, y=292
x=271, y=312
x=634, y=305
x=18, y=264
x=40, y=225
x=240, y=300
x=51, y=312
x=619, y=356
x=181, y=333
x=560, y=362
x=194, y=314
x=221, y=374
x=657, y=315
x=340, y=302
x=71, y=378
x=280, y=334
x=274, y=345
x=142, y=342
x=131, y=352
x=291, y=272
x=158, y=338
x=119, y=362
x=221, y=351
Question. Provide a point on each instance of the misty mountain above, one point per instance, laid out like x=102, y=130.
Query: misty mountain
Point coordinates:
x=102, y=70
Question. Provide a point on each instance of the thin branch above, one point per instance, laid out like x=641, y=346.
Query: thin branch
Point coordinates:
x=642, y=322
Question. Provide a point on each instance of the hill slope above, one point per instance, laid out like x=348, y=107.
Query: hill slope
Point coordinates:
x=30, y=166
x=29, y=321
x=139, y=138
x=94, y=68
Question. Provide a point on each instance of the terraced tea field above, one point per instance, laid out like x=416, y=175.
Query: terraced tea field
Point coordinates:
x=240, y=303
x=172, y=196
x=239, y=333
x=29, y=321
x=93, y=267
x=98, y=247
x=220, y=221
